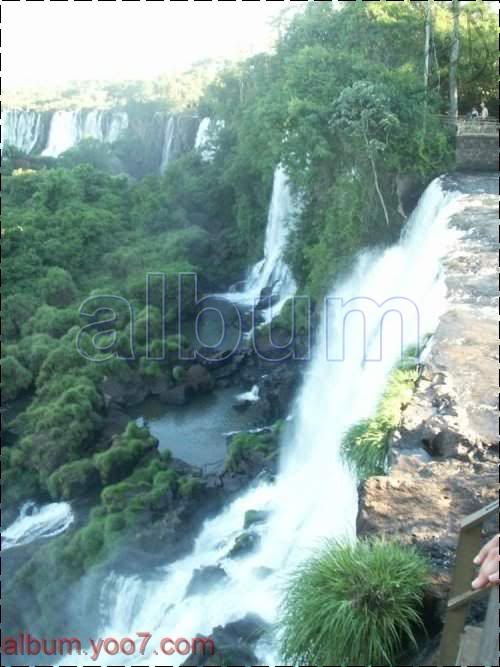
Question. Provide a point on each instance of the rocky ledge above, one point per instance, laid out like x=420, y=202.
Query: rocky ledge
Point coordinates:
x=445, y=455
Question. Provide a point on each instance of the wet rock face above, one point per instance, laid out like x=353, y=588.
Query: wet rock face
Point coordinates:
x=234, y=643
x=445, y=455
x=205, y=579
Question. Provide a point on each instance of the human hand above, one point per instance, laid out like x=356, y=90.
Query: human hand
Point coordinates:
x=488, y=560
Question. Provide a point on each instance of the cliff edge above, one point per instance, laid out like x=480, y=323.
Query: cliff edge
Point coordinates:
x=445, y=455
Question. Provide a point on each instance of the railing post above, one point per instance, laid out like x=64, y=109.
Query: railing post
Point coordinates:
x=468, y=546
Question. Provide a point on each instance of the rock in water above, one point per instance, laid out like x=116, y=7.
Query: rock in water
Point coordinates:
x=205, y=578
x=244, y=544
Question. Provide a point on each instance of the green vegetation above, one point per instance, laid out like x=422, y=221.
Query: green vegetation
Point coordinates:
x=73, y=480
x=353, y=604
x=244, y=446
x=366, y=446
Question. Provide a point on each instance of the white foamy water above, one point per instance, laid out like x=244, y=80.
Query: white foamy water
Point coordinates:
x=251, y=396
x=35, y=522
x=314, y=496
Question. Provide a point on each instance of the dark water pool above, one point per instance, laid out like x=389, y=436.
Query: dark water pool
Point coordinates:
x=195, y=432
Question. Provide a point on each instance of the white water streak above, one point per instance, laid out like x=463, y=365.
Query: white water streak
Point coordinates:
x=35, y=523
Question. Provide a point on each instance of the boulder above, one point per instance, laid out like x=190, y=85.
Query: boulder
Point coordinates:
x=199, y=380
x=244, y=544
x=254, y=517
x=205, y=578
x=234, y=643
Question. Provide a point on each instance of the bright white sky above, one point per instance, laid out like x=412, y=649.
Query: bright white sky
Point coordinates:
x=54, y=42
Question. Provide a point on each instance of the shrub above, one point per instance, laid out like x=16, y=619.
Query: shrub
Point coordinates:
x=244, y=445
x=35, y=349
x=116, y=464
x=353, y=604
x=73, y=480
x=15, y=378
x=58, y=288
x=55, y=322
x=116, y=496
x=190, y=487
x=365, y=447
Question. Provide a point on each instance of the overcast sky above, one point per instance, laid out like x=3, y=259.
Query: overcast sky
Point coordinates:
x=54, y=42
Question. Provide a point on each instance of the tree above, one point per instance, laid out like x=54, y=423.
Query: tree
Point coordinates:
x=363, y=110
x=428, y=37
x=58, y=287
x=454, y=58
x=15, y=378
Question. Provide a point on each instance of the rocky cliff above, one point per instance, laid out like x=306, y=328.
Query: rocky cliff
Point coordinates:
x=445, y=455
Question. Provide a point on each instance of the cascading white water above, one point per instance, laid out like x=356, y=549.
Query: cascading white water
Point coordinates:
x=22, y=129
x=35, y=523
x=63, y=133
x=314, y=496
x=201, y=143
x=271, y=272
x=202, y=134
x=68, y=128
x=168, y=141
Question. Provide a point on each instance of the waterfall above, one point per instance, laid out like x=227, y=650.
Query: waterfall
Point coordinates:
x=35, y=522
x=314, y=496
x=22, y=129
x=202, y=139
x=202, y=134
x=168, y=141
x=68, y=128
x=271, y=273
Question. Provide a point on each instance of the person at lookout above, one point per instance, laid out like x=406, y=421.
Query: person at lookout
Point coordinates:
x=484, y=111
x=488, y=560
x=474, y=113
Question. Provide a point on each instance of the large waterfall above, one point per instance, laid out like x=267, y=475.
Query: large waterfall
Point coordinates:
x=271, y=274
x=68, y=128
x=314, y=495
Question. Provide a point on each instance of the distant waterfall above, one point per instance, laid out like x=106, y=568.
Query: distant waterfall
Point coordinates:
x=168, y=142
x=22, y=129
x=202, y=134
x=35, y=522
x=202, y=138
x=314, y=496
x=68, y=128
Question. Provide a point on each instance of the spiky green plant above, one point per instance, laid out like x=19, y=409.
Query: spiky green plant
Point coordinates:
x=353, y=604
x=365, y=446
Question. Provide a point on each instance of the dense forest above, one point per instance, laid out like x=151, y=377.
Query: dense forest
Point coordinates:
x=344, y=102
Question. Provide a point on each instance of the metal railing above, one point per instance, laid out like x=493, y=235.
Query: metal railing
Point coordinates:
x=461, y=595
x=465, y=125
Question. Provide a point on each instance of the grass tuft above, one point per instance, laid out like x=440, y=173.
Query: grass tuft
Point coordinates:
x=365, y=446
x=353, y=604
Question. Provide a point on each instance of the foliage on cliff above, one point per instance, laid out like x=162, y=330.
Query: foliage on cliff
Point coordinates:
x=366, y=445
